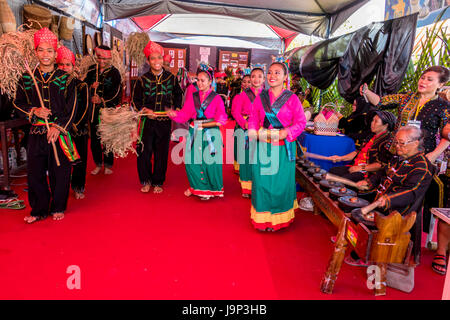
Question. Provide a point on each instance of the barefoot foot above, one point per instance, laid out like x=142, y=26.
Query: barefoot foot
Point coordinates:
x=58, y=216
x=145, y=188
x=108, y=171
x=96, y=171
x=157, y=189
x=188, y=193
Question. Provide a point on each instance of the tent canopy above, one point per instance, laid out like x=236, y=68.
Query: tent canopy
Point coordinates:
x=284, y=18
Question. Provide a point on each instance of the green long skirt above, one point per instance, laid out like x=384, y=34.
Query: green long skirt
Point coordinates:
x=274, y=197
x=242, y=157
x=204, y=171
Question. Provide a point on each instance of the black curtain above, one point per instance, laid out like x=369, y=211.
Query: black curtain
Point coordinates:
x=381, y=49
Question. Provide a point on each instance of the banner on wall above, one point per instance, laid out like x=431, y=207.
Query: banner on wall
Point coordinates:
x=428, y=10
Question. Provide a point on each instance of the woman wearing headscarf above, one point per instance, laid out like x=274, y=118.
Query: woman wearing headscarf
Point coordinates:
x=203, y=155
x=357, y=124
x=372, y=155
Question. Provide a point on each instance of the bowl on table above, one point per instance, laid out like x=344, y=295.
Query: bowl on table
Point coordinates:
x=325, y=185
x=313, y=171
x=320, y=176
x=368, y=219
x=336, y=193
x=348, y=203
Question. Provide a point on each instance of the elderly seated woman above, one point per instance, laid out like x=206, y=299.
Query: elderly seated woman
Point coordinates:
x=403, y=182
x=372, y=155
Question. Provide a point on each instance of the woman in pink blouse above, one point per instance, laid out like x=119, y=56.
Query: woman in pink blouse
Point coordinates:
x=203, y=156
x=277, y=119
x=241, y=109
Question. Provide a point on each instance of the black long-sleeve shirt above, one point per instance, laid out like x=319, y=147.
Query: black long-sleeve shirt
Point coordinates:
x=58, y=94
x=403, y=182
x=157, y=92
x=80, y=124
x=110, y=85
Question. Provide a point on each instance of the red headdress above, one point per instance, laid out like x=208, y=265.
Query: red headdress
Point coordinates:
x=153, y=47
x=103, y=53
x=167, y=58
x=45, y=35
x=65, y=53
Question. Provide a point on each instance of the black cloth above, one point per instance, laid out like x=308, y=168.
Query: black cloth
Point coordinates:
x=357, y=124
x=155, y=142
x=100, y=157
x=6, y=108
x=79, y=168
x=110, y=91
x=59, y=96
x=381, y=49
x=80, y=136
x=157, y=93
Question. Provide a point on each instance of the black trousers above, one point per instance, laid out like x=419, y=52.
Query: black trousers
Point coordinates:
x=99, y=156
x=155, y=141
x=79, y=169
x=46, y=195
x=435, y=197
x=343, y=171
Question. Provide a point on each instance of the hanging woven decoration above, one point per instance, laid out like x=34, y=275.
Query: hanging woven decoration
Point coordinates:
x=16, y=51
x=66, y=27
x=36, y=17
x=7, y=19
x=135, y=45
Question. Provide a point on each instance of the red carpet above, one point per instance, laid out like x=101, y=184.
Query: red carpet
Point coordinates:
x=130, y=245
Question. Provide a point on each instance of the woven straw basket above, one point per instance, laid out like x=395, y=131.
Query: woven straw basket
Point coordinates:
x=37, y=13
x=54, y=26
x=66, y=26
x=7, y=19
x=326, y=127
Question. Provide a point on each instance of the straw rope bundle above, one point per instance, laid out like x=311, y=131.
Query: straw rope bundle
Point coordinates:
x=135, y=45
x=117, y=62
x=16, y=51
x=7, y=19
x=118, y=130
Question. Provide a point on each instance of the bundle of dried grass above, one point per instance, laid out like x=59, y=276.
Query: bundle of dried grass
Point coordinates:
x=82, y=66
x=136, y=43
x=16, y=51
x=118, y=130
x=117, y=62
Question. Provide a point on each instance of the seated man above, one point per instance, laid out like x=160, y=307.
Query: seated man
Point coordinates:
x=372, y=155
x=403, y=182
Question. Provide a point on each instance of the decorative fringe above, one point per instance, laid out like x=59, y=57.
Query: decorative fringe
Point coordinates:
x=118, y=130
x=135, y=45
x=16, y=49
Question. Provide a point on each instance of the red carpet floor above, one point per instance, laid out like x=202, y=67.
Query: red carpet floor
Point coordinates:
x=130, y=245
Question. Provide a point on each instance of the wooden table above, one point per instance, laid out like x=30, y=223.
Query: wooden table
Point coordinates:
x=4, y=125
x=321, y=199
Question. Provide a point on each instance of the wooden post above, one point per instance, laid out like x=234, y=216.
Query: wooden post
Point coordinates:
x=335, y=263
x=380, y=286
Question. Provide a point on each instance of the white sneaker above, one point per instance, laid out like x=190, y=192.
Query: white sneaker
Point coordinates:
x=306, y=204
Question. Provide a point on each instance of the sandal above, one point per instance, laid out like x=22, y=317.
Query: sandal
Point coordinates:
x=12, y=204
x=33, y=219
x=356, y=263
x=439, y=267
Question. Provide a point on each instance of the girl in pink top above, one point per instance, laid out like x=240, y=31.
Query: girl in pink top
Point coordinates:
x=203, y=156
x=241, y=109
x=277, y=119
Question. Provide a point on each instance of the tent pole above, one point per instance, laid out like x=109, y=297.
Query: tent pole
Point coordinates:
x=327, y=36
